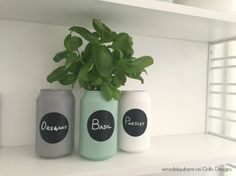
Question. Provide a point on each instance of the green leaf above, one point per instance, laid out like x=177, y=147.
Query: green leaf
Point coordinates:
x=59, y=56
x=125, y=68
x=142, y=62
x=116, y=94
x=138, y=77
x=106, y=92
x=96, y=34
x=116, y=82
x=72, y=43
x=124, y=65
x=108, y=37
x=68, y=80
x=105, y=32
x=72, y=58
x=74, y=68
x=57, y=74
x=124, y=42
x=117, y=54
x=103, y=61
x=97, y=81
x=121, y=76
x=83, y=73
x=100, y=27
x=86, y=34
x=87, y=53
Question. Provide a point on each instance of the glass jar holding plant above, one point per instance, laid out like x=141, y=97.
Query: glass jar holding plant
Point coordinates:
x=101, y=69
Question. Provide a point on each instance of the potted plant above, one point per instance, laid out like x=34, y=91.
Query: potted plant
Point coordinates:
x=101, y=68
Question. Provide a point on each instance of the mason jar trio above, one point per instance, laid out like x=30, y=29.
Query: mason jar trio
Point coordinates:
x=104, y=125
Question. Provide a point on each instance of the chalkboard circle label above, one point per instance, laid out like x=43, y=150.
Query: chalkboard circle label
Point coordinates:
x=100, y=125
x=135, y=122
x=53, y=127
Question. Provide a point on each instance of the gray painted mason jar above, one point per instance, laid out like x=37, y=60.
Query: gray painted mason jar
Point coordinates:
x=55, y=123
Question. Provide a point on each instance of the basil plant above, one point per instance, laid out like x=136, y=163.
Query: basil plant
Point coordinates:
x=103, y=65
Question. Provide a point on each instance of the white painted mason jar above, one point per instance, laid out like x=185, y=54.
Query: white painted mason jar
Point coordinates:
x=134, y=121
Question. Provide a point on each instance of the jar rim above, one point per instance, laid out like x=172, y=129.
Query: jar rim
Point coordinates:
x=92, y=91
x=55, y=90
x=133, y=90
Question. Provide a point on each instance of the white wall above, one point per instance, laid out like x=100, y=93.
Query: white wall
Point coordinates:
x=218, y=5
x=176, y=81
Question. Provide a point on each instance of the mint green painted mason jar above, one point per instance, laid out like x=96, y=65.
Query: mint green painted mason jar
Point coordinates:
x=98, y=126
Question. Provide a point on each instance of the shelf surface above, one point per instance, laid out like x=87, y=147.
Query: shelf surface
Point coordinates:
x=167, y=151
x=141, y=17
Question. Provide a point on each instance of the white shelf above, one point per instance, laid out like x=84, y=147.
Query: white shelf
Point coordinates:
x=167, y=151
x=141, y=17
